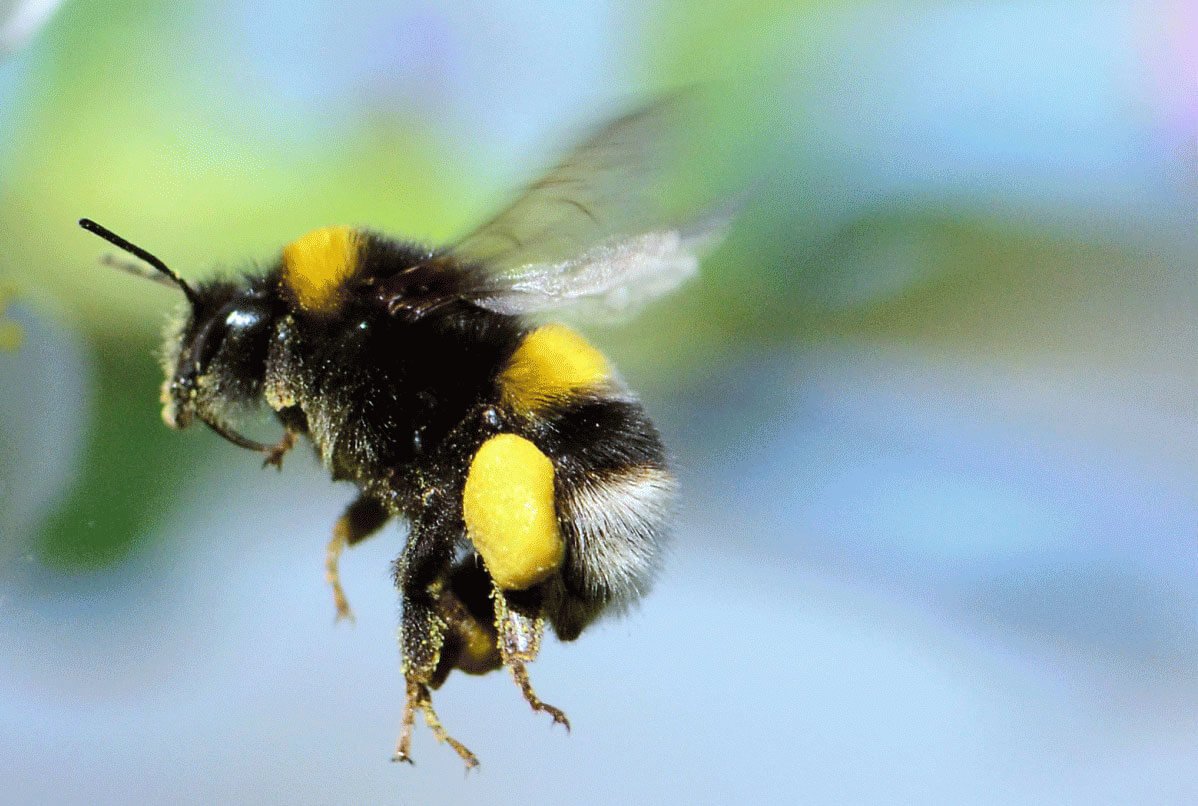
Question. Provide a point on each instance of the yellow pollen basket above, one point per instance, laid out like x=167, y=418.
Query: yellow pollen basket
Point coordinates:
x=552, y=362
x=508, y=506
x=317, y=265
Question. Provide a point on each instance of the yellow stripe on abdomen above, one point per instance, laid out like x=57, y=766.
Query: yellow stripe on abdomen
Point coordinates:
x=552, y=362
x=508, y=506
x=317, y=265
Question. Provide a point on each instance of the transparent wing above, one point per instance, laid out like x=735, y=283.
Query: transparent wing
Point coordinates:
x=591, y=234
x=612, y=278
x=603, y=188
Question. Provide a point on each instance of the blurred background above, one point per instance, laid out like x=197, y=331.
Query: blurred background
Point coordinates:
x=934, y=404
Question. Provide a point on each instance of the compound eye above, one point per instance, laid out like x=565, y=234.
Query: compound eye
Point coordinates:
x=237, y=323
x=239, y=320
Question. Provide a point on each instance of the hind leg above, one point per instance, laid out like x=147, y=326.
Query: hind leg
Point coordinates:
x=519, y=642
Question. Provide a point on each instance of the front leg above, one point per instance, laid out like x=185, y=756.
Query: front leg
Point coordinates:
x=274, y=453
x=419, y=574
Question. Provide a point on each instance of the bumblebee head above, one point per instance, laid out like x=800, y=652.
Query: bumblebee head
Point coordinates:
x=215, y=354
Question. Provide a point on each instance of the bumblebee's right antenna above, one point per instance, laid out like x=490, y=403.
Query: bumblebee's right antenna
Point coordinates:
x=140, y=254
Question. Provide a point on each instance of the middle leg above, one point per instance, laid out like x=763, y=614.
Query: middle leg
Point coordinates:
x=361, y=519
x=420, y=574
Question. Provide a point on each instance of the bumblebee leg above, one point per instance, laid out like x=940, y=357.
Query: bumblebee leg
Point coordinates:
x=419, y=698
x=471, y=643
x=519, y=643
x=419, y=574
x=361, y=519
x=276, y=452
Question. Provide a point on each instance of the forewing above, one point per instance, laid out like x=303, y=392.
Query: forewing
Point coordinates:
x=610, y=279
x=591, y=234
x=603, y=188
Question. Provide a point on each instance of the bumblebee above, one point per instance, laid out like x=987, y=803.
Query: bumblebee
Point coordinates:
x=535, y=488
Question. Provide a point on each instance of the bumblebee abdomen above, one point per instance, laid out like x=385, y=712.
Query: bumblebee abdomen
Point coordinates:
x=614, y=494
x=551, y=365
x=612, y=488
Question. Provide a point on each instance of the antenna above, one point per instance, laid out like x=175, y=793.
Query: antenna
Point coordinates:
x=140, y=254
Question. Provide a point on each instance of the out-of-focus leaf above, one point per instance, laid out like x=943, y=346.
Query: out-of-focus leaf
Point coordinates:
x=130, y=469
x=1004, y=289
x=10, y=332
x=45, y=400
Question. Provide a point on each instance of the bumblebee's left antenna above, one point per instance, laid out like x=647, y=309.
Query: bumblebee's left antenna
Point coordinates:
x=140, y=254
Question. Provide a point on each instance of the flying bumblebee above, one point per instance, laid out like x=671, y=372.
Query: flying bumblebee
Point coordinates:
x=534, y=485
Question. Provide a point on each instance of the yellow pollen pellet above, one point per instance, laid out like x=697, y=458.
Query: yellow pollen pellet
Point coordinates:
x=511, y=519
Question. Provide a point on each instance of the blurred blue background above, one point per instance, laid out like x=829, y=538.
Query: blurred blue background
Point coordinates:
x=934, y=404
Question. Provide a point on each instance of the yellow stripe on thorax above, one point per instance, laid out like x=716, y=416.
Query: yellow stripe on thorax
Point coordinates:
x=316, y=266
x=508, y=506
x=552, y=362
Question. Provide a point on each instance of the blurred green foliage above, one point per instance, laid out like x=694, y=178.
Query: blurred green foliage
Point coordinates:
x=10, y=332
x=130, y=469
